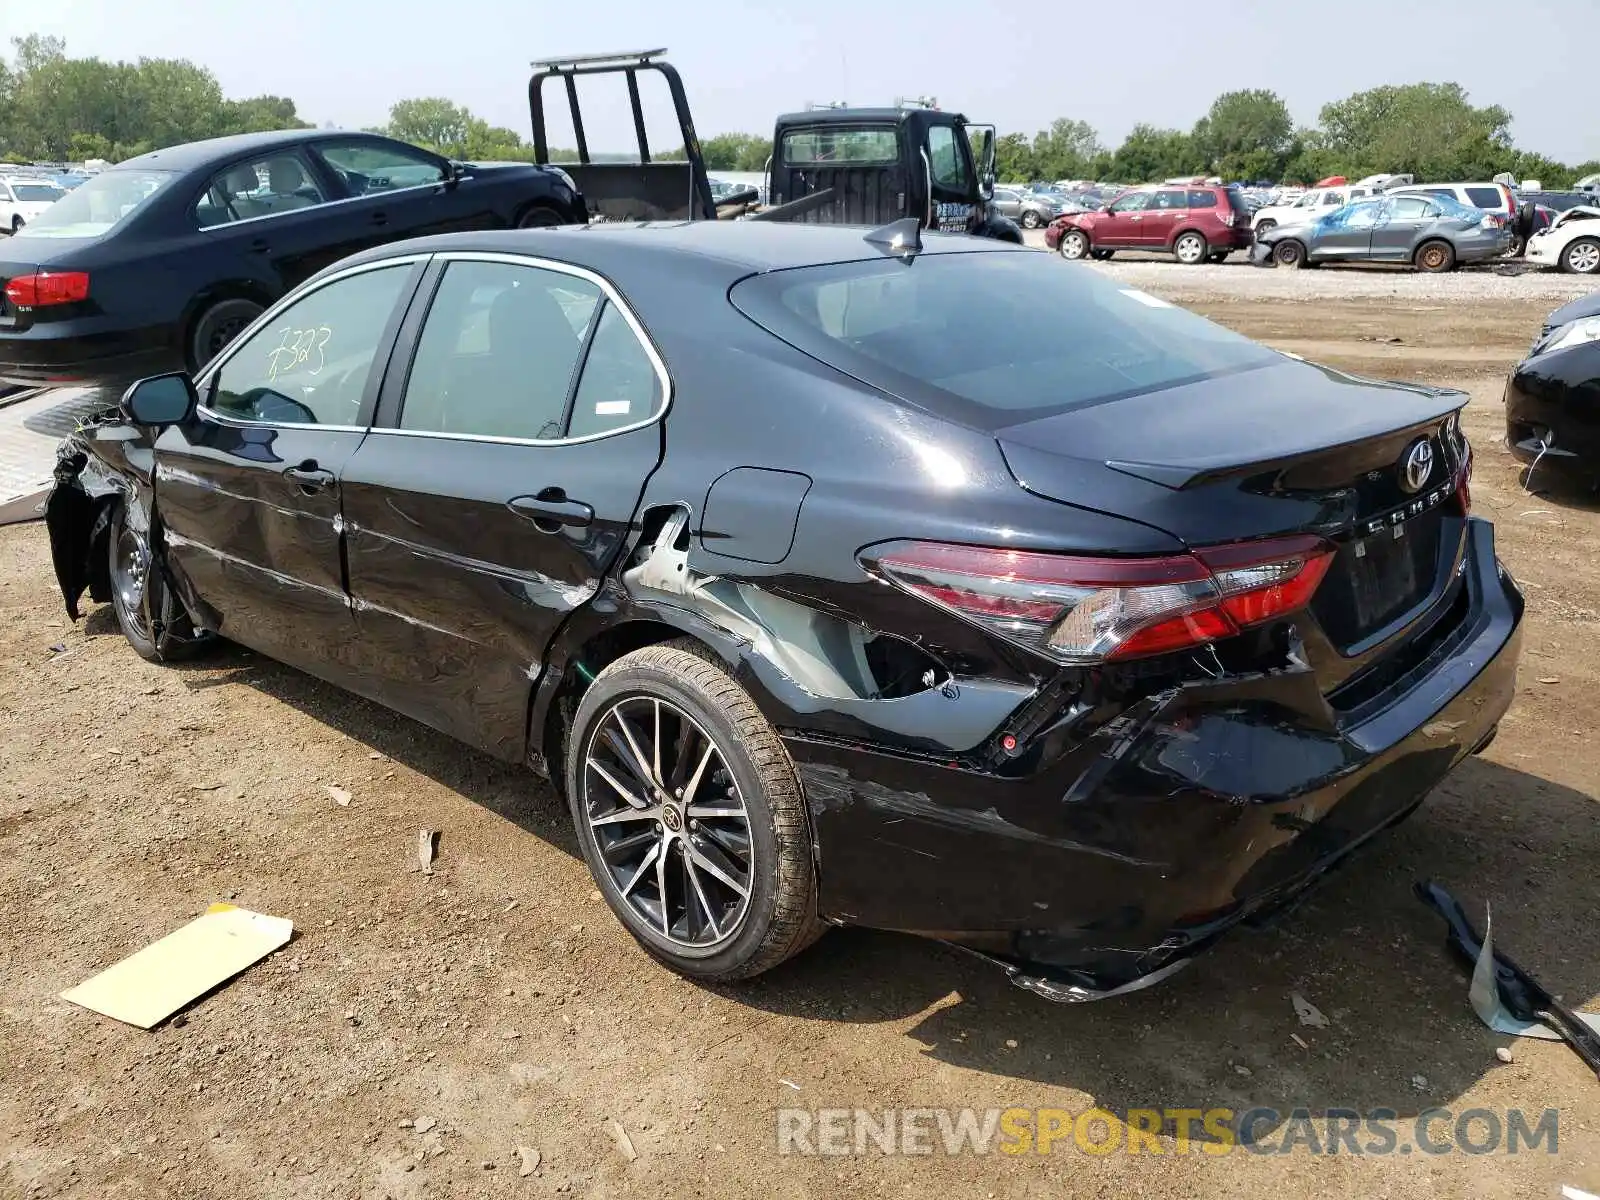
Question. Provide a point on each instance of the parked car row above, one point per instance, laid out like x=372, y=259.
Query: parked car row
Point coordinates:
x=1432, y=232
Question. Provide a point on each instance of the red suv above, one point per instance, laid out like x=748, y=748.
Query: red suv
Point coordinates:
x=1193, y=222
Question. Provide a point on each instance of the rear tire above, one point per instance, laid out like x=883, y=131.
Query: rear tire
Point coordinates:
x=1435, y=257
x=1581, y=257
x=1219, y=256
x=1102, y=255
x=1290, y=255
x=1074, y=245
x=216, y=327
x=697, y=732
x=1031, y=220
x=149, y=615
x=1191, y=248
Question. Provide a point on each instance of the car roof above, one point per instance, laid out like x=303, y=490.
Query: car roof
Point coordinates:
x=621, y=250
x=193, y=155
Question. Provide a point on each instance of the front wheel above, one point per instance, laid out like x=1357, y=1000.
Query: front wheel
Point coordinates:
x=1582, y=257
x=149, y=615
x=1190, y=248
x=1267, y=224
x=1291, y=255
x=690, y=815
x=1074, y=244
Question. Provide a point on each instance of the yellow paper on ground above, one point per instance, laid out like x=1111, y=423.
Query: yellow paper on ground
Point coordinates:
x=147, y=987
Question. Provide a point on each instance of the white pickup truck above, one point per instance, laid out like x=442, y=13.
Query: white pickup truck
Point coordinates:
x=1311, y=205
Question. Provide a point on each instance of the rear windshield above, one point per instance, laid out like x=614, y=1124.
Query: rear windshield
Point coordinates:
x=992, y=338
x=98, y=206
x=802, y=147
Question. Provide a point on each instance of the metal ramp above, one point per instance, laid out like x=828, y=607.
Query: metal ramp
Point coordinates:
x=32, y=425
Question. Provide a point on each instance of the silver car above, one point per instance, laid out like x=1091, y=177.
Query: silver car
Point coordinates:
x=1432, y=233
x=1030, y=209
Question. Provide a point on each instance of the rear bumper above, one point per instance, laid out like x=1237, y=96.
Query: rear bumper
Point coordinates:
x=66, y=353
x=1128, y=840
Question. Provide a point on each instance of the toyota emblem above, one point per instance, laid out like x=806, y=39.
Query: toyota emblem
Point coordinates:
x=1417, y=468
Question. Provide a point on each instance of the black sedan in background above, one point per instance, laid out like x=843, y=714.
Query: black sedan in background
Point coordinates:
x=834, y=578
x=1553, y=395
x=1432, y=233
x=156, y=264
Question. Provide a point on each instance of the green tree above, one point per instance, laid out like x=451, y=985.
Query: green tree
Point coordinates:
x=1013, y=158
x=735, y=152
x=494, y=143
x=431, y=121
x=1430, y=130
x=1064, y=150
x=1245, y=135
x=1149, y=154
x=260, y=114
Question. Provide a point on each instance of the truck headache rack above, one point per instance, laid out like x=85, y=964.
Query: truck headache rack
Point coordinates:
x=646, y=190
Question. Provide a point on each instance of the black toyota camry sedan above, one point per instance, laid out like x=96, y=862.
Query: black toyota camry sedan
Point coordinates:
x=834, y=577
x=1553, y=396
x=156, y=264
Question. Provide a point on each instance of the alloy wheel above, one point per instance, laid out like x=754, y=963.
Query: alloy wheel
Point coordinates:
x=669, y=822
x=1584, y=258
x=1190, y=249
x=1074, y=245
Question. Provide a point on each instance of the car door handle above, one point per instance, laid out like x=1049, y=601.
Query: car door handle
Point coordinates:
x=380, y=218
x=259, y=246
x=310, y=477
x=550, y=510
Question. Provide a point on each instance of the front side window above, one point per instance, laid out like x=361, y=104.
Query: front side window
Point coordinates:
x=1357, y=216
x=99, y=205
x=370, y=165
x=263, y=187
x=1132, y=202
x=1332, y=199
x=309, y=364
x=948, y=164
x=499, y=351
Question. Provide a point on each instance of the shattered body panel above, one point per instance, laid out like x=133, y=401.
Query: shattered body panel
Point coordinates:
x=105, y=463
x=1088, y=827
x=1552, y=397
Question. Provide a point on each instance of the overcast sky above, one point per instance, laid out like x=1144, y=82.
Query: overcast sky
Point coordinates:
x=346, y=61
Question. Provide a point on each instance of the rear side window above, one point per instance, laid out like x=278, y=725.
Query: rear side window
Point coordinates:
x=619, y=385
x=262, y=187
x=1202, y=198
x=498, y=352
x=816, y=147
x=1486, y=197
x=1170, y=199
x=980, y=337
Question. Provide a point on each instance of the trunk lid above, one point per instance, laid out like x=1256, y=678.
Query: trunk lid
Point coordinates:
x=1290, y=448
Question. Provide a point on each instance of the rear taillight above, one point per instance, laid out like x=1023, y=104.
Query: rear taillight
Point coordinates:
x=1092, y=610
x=48, y=287
x=1493, y=221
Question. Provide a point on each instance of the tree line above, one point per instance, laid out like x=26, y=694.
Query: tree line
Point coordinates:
x=57, y=108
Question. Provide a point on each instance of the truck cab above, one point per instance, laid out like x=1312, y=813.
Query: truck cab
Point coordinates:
x=872, y=166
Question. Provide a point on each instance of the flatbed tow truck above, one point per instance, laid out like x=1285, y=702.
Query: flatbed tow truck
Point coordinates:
x=833, y=165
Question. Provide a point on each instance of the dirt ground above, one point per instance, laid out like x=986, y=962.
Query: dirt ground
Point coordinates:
x=500, y=1003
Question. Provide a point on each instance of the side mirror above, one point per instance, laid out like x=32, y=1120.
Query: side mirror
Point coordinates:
x=160, y=400
x=986, y=187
